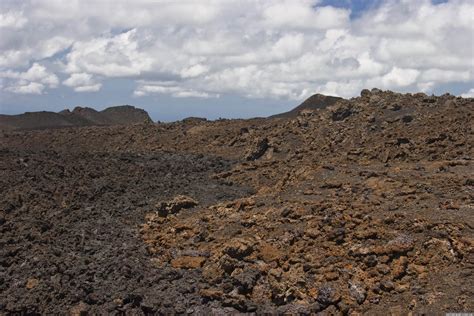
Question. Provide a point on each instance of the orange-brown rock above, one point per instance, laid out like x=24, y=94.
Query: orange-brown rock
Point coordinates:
x=32, y=283
x=188, y=262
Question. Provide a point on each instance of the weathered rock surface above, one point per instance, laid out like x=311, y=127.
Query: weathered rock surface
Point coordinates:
x=364, y=207
x=175, y=205
x=315, y=102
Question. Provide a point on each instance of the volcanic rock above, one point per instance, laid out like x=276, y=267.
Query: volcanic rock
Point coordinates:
x=80, y=116
x=188, y=262
x=315, y=102
x=365, y=214
x=257, y=149
x=175, y=205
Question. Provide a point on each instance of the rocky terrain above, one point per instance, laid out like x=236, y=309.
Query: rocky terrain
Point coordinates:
x=80, y=116
x=315, y=102
x=361, y=206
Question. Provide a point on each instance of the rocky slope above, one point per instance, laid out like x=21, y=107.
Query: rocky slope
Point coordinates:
x=117, y=115
x=315, y=102
x=364, y=207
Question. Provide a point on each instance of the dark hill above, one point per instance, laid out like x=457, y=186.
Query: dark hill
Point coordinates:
x=80, y=116
x=34, y=120
x=125, y=114
x=316, y=101
x=93, y=116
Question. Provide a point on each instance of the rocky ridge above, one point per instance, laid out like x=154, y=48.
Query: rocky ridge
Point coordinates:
x=80, y=116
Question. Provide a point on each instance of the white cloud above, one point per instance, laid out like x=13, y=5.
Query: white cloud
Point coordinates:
x=399, y=77
x=23, y=87
x=441, y=75
x=259, y=49
x=288, y=46
x=89, y=88
x=302, y=14
x=82, y=82
x=36, y=72
x=194, y=71
x=468, y=94
x=170, y=88
x=32, y=81
x=12, y=20
x=116, y=56
x=340, y=89
x=425, y=86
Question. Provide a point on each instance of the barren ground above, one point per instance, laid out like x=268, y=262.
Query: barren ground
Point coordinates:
x=366, y=207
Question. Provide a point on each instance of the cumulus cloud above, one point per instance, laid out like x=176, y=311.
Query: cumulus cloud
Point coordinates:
x=36, y=72
x=116, y=56
x=172, y=88
x=468, y=94
x=194, y=71
x=399, y=77
x=25, y=87
x=82, y=82
x=285, y=49
x=32, y=81
x=12, y=20
x=302, y=15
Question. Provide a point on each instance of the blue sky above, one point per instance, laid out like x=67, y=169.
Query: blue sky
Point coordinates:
x=231, y=59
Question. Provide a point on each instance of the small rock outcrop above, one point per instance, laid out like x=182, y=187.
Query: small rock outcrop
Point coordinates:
x=257, y=149
x=175, y=205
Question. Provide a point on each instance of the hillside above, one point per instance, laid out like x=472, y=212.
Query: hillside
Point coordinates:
x=117, y=115
x=364, y=206
x=316, y=101
x=34, y=120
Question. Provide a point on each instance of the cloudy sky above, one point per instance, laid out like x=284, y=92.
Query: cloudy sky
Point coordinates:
x=227, y=58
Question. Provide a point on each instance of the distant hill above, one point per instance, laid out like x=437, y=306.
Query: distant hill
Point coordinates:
x=125, y=114
x=33, y=120
x=90, y=115
x=80, y=116
x=317, y=101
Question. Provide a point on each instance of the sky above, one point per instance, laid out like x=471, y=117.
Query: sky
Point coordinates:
x=227, y=58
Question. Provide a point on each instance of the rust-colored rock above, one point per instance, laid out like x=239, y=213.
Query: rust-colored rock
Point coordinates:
x=175, y=205
x=269, y=253
x=31, y=283
x=188, y=262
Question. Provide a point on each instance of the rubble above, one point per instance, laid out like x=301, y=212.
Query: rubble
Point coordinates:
x=361, y=207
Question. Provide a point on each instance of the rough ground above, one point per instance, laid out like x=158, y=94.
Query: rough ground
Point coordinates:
x=365, y=207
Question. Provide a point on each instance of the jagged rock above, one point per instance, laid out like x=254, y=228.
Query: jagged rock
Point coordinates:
x=342, y=113
x=239, y=248
x=401, y=244
x=358, y=292
x=245, y=279
x=79, y=310
x=387, y=285
x=269, y=253
x=348, y=216
x=188, y=262
x=407, y=118
x=327, y=295
x=365, y=93
x=32, y=283
x=257, y=149
x=211, y=294
x=175, y=205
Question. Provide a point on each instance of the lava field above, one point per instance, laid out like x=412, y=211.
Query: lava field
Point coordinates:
x=364, y=206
